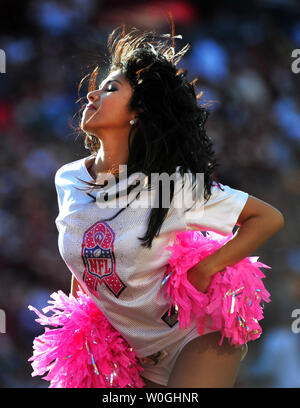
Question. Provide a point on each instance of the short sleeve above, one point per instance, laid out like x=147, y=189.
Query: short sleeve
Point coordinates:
x=220, y=213
x=58, y=187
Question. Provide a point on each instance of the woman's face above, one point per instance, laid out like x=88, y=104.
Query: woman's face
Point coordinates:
x=108, y=106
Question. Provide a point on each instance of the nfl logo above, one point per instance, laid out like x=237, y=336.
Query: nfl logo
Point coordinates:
x=99, y=259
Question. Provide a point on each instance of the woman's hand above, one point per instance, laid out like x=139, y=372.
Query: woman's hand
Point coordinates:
x=200, y=279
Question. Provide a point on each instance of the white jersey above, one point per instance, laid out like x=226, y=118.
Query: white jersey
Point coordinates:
x=123, y=277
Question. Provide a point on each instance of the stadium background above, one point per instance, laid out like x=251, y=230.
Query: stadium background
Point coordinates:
x=242, y=57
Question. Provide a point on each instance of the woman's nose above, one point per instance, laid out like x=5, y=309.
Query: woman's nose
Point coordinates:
x=93, y=96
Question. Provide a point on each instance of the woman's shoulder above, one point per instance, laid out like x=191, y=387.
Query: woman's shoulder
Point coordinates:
x=69, y=170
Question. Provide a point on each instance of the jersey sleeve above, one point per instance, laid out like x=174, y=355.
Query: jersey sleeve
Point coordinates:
x=220, y=213
x=58, y=187
x=60, y=182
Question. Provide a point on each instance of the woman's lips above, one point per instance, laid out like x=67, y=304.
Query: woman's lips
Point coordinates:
x=91, y=107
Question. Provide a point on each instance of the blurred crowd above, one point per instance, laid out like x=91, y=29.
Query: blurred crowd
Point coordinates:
x=242, y=59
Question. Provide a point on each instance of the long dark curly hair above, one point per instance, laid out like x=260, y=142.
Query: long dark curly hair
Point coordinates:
x=170, y=128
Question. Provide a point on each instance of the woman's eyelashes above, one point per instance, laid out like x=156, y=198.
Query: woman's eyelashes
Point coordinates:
x=109, y=88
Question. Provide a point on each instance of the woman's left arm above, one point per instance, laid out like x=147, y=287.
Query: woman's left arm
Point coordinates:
x=258, y=222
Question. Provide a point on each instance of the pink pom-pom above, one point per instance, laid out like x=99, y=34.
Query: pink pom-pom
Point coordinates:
x=83, y=350
x=234, y=298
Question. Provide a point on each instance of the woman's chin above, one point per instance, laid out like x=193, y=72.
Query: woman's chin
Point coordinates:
x=88, y=121
x=86, y=126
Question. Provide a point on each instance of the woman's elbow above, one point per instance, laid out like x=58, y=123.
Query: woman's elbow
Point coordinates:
x=267, y=215
x=279, y=220
x=273, y=220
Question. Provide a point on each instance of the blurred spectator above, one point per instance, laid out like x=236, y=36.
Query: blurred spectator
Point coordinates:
x=278, y=365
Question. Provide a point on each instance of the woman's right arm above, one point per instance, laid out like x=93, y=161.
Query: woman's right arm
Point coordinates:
x=75, y=286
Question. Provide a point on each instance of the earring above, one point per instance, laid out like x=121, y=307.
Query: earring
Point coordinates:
x=132, y=122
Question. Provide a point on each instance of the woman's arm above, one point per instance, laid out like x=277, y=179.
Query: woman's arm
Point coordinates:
x=75, y=286
x=258, y=222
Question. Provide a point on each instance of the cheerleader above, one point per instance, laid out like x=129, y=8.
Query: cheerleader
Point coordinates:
x=143, y=117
